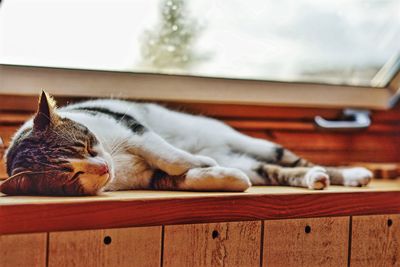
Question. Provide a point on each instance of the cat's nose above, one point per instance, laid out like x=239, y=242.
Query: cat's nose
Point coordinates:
x=103, y=169
x=94, y=166
x=97, y=166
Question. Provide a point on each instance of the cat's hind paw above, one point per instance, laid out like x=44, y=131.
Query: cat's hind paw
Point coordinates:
x=357, y=176
x=317, y=178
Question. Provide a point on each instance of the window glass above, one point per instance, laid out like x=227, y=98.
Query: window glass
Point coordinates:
x=351, y=42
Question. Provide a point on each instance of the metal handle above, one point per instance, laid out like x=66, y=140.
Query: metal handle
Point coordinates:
x=353, y=119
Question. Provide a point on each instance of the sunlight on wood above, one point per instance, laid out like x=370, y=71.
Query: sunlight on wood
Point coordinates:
x=375, y=186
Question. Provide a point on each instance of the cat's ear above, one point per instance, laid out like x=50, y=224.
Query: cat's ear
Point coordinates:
x=17, y=185
x=45, y=115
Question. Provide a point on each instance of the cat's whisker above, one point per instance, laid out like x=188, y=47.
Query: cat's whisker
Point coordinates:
x=18, y=174
x=123, y=116
x=113, y=141
x=115, y=146
x=119, y=147
x=28, y=172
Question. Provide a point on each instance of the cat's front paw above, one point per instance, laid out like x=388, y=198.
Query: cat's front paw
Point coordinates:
x=233, y=179
x=204, y=162
x=317, y=178
x=179, y=166
x=357, y=176
x=216, y=179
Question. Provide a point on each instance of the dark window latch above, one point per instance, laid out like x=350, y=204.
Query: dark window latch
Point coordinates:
x=352, y=119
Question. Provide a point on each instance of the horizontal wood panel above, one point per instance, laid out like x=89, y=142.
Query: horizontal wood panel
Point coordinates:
x=266, y=125
x=335, y=158
x=126, y=209
x=291, y=127
x=331, y=141
x=276, y=112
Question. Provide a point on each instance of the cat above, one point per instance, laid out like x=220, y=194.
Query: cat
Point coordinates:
x=107, y=145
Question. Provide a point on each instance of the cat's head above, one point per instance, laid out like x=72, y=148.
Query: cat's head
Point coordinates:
x=55, y=156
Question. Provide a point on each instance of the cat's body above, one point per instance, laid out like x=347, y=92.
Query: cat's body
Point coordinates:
x=146, y=146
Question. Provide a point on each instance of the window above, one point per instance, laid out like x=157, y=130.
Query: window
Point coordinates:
x=350, y=42
x=341, y=53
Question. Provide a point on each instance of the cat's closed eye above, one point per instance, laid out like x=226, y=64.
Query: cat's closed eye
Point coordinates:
x=86, y=148
x=91, y=152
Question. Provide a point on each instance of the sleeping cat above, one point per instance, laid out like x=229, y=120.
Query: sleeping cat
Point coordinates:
x=85, y=148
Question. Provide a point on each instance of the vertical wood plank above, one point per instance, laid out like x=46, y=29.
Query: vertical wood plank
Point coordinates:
x=306, y=242
x=139, y=246
x=375, y=240
x=23, y=250
x=214, y=244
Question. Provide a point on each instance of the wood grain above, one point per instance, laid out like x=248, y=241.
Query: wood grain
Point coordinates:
x=128, y=247
x=381, y=170
x=286, y=242
x=23, y=250
x=214, y=244
x=139, y=208
x=374, y=242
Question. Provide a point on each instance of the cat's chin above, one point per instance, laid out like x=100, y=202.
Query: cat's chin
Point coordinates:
x=93, y=184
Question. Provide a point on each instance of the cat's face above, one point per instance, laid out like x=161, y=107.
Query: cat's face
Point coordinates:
x=57, y=156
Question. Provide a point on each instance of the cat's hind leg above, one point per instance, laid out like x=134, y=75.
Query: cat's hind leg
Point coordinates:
x=349, y=176
x=271, y=153
x=261, y=173
x=315, y=177
x=265, y=151
x=202, y=179
x=308, y=177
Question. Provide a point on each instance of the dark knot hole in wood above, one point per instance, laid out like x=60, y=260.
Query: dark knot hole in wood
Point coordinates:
x=307, y=229
x=107, y=240
x=389, y=222
x=215, y=234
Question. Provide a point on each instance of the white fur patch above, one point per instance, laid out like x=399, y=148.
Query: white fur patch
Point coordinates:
x=357, y=176
x=317, y=178
x=216, y=179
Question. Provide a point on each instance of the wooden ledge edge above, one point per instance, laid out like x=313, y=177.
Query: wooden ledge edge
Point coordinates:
x=114, y=214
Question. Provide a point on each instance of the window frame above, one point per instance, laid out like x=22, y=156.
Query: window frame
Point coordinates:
x=29, y=80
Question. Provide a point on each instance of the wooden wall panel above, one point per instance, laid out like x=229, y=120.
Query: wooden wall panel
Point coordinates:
x=292, y=127
x=286, y=242
x=127, y=247
x=214, y=244
x=375, y=240
x=23, y=250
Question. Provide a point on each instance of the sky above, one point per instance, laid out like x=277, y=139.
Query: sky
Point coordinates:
x=341, y=41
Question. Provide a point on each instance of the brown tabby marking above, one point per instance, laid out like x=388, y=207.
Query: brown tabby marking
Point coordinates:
x=37, y=162
x=161, y=180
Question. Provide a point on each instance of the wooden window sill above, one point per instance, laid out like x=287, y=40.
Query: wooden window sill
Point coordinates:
x=90, y=83
x=149, y=208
